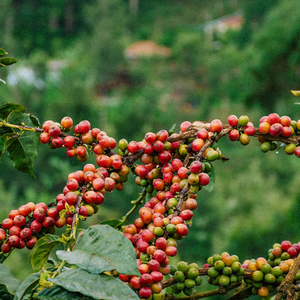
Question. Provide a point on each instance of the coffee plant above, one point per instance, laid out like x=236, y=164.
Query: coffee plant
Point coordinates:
x=118, y=259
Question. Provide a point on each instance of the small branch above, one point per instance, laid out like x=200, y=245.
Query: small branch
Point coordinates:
x=220, y=291
x=137, y=202
x=20, y=127
x=129, y=160
x=287, y=288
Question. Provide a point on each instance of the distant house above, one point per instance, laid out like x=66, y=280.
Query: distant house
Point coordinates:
x=233, y=22
x=146, y=49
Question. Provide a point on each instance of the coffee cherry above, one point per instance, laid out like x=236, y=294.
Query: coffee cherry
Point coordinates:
x=19, y=220
x=46, y=125
x=244, y=139
x=31, y=242
x=243, y=120
x=54, y=131
x=44, y=137
x=25, y=234
x=5, y=247
x=233, y=120
x=66, y=123
x=2, y=235
x=234, y=135
x=84, y=126
x=216, y=126
x=184, y=126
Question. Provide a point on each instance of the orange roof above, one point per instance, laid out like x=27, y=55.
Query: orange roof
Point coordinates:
x=146, y=48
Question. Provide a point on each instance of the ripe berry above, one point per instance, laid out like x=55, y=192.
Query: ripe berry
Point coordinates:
x=54, y=130
x=19, y=220
x=216, y=126
x=233, y=120
x=84, y=126
x=24, y=210
x=46, y=125
x=44, y=137
x=69, y=142
x=234, y=135
x=36, y=226
x=7, y=223
x=57, y=142
x=31, y=242
x=66, y=123
x=184, y=126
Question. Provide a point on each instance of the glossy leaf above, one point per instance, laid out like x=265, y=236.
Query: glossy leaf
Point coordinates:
x=27, y=286
x=35, y=121
x=4, y=293
x=102, y=248
x=6, y=61
x=5, y=141
x=39, y=254
x=7, y=279
x=9, y=107
x=59, y=293
x=3, y=52
x=100, y=286
x=111, y=222
x=23, y=151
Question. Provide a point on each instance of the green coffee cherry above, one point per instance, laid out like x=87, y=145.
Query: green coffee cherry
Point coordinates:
x=182, y=266
x=192, y=273
x=212, y=272
x=189, y=283
x=179, y=276
x=224, y=280
x=198, y=280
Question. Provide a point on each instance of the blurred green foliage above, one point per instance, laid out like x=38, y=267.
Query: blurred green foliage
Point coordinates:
x=72, y=62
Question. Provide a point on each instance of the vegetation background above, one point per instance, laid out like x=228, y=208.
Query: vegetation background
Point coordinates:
x=210, y=59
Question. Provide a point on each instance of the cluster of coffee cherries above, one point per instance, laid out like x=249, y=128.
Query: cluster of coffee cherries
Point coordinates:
x=270, y=127
x=268, y=273
x=154, y=236
x=186, y=277
x=25, y=225
x=224, y=269
x=166, y=217
x=84, y=192
x=84, y=139
x=162, y=170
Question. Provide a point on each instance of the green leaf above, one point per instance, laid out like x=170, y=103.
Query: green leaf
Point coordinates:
x=101, y=286
x=3, y=52
x=39, y=254
x=23, y=151
x=7, y=61
x=7, y=279
x=35, y=121
x=8, y=107
x=111, y=222
x=27, y=286
x=59, y=293
x=4, y=293
x=211, y=184
x=5, y=141
x=102, y=248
